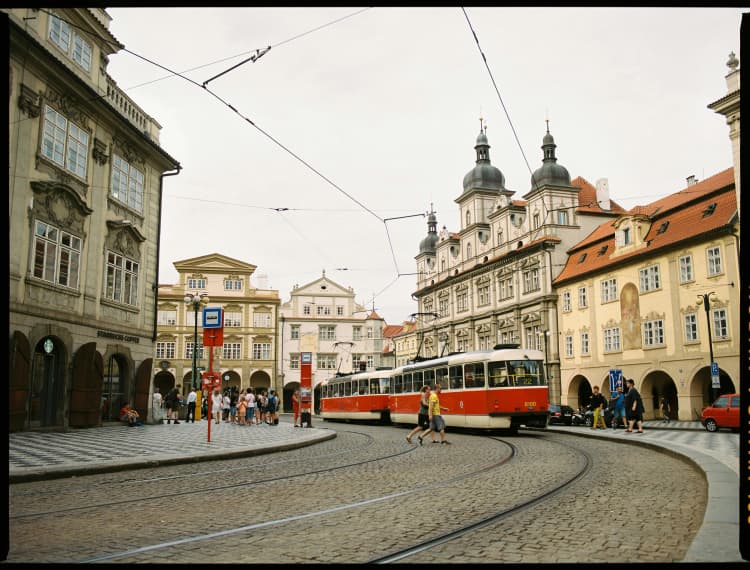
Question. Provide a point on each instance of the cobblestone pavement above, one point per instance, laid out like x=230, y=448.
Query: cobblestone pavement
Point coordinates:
x=35, y=455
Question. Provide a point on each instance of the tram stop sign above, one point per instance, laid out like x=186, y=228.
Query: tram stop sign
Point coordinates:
x=715, y=383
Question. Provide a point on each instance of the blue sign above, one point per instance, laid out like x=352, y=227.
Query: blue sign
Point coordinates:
x=306, y=358
x=615, y=380
x=715, y=383
x=213, y=318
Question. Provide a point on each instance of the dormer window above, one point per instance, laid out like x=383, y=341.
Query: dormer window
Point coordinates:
x=626, y=237
x=603, y=250
x=582, y=258
x=709, y=210
x=623, y=236
x=663, y=227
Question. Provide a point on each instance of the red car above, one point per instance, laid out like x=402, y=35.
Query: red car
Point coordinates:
x=723, y=413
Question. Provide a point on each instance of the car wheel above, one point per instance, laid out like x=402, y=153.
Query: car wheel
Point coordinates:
x=589, y=421
x=711, y=425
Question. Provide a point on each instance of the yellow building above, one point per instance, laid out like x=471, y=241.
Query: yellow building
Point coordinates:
x=85, y=182
x=655, y=293
x=247, y=355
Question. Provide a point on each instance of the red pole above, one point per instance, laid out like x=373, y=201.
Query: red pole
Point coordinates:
x=211, y=375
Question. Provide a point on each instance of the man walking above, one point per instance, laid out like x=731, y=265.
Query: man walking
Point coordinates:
x=437, y=423
x=191, y=399
x=633, y=407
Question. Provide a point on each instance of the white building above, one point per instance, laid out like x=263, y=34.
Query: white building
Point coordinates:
x=323, y=318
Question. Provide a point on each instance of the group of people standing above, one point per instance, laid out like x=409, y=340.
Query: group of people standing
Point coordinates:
x=246, y=407
x=626, y=406
x=241, y=408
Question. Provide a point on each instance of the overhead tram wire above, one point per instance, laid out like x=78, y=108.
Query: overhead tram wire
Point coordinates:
x=494, y=84
x=271, y=138
x=244, y=53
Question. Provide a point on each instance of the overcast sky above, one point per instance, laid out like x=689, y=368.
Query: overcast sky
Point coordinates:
x=362, y=115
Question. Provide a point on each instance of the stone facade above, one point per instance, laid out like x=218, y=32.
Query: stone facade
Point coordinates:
x=86, y=174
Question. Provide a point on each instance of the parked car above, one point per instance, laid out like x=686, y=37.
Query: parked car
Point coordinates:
x=723, y=413
x=560, y=414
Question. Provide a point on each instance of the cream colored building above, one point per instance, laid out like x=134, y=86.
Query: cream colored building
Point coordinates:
x=631, y=298
x=662, y=292
x=247, y=355
x=323, y=318
x=86, y=172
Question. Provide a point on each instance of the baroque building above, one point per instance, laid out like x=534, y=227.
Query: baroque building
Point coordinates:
x=246, y=356
x=323, y=318
x=86, y=172
x=491, y=281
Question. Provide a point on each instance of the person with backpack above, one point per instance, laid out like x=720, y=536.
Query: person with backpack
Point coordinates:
x=273, y=408
x=172, y=402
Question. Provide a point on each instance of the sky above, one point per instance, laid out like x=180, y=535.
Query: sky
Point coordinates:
x=358, y=121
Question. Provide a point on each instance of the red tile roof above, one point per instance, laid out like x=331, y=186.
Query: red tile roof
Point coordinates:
x=707, y=206
x=587, y=198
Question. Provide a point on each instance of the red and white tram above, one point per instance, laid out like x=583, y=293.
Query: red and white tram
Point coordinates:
x=502, y=388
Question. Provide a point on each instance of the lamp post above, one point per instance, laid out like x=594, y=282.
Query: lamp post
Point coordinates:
x=706, y=299
x=545, y=334
x=196, y=301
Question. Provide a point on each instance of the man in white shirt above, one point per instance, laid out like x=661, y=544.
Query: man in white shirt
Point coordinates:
x=192, y=396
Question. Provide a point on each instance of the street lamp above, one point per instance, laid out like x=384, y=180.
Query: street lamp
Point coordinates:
x=706, y=299
x=196, y=301
x=545, y=334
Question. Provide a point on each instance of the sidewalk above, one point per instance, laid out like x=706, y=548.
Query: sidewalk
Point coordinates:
x=34, y=456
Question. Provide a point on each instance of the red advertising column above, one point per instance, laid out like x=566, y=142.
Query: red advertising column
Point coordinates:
x=305, y=389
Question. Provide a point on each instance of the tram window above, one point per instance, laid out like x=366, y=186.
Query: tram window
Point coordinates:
x=441, y=377
x=385, y=385
x=407, y=382
x=363, y=387
x=498, y=374
x=456, y=377
x=374, y=386
x=429, y=378
x=347, y=388
x=398, y=383
x=479, y=375
x=474, y=375
x=418, y=381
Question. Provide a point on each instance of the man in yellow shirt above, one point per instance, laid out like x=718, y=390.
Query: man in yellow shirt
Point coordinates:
x=437, y=423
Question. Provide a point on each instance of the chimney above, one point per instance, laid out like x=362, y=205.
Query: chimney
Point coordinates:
x=691, y=181
x=602, y=193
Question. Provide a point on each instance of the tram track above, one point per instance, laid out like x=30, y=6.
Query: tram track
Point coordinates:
x=358, y=511
x=493, y=519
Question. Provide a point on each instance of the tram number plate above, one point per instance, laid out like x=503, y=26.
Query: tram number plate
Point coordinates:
x=530, y=404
